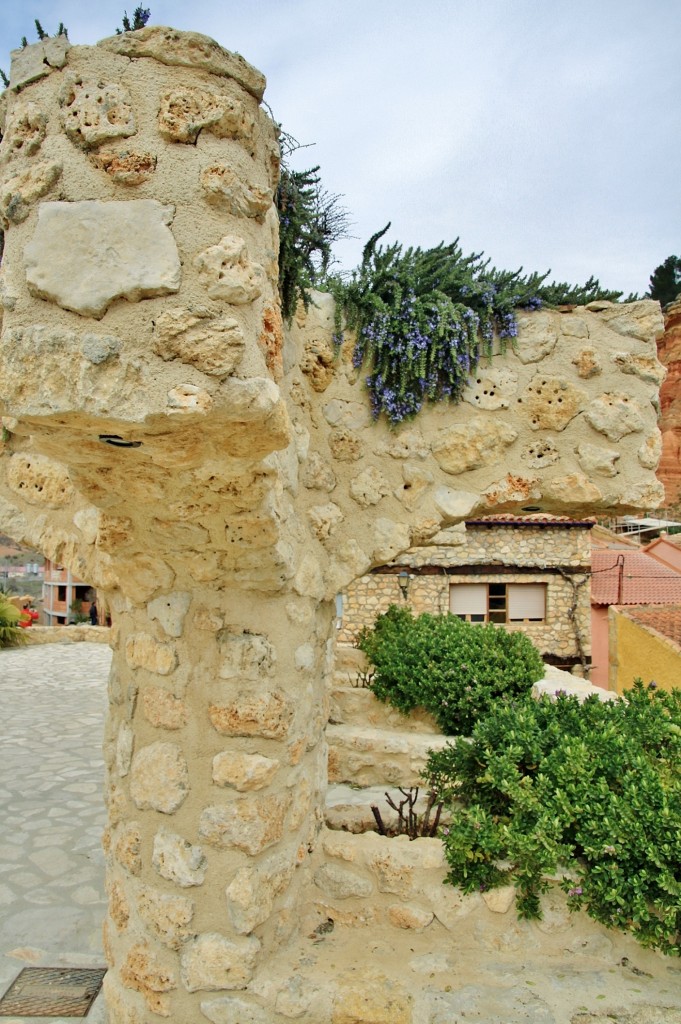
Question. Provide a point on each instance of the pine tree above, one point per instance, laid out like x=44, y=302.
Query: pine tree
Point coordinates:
x=665, y=281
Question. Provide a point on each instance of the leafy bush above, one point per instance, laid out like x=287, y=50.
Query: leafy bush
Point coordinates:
x=11, y=635
x=593, y=790
x=452, y=668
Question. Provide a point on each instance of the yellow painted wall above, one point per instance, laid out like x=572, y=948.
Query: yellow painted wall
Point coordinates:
x=636, y=651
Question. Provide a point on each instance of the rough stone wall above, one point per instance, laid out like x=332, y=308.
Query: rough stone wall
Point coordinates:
x=566, y=632
x=669, y=353
x=217, y=478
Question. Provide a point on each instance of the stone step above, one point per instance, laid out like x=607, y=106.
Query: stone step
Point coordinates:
x=351, y=705
x=348, y=808
x=366, y=756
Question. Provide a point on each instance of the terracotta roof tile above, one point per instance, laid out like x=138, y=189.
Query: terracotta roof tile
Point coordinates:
x=630, y=577
x=665, y=620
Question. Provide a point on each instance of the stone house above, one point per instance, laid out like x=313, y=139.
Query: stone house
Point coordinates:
x=526, y=573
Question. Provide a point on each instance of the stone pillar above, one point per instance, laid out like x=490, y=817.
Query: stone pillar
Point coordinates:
x=141, y=449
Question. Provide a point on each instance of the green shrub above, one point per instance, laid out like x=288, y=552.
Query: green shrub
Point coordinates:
x=11, y=635
x=452, y=668
x=591, y=790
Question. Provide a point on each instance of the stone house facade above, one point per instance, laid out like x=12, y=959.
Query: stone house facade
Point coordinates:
x=526, y=573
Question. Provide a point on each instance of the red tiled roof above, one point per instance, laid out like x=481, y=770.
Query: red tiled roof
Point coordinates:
x=665, y=620
x=630, y=577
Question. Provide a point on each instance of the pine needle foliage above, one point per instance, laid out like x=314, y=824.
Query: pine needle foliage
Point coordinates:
x=423, y=318
x=310, y=221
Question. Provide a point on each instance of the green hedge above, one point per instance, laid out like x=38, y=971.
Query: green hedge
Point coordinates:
x=593, y=788
x=452, y=668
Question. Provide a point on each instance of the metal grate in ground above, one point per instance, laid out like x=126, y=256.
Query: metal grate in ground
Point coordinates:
x=52, y=992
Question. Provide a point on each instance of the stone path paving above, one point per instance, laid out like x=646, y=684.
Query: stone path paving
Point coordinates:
x=52, y=707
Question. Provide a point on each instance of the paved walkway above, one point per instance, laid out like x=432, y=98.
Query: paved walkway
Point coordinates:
x=52, y=707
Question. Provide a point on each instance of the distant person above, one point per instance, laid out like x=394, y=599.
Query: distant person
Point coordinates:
x=94, y=616
x=27, y=616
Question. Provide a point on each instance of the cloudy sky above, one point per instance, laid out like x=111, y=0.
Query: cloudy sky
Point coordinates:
x=546, y=134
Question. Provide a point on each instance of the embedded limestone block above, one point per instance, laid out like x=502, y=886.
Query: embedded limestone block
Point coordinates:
x=143, y=651
x=212, y=962
x=318, y=475
x=187, y=49
x=346, y=445
x=186, y=112
x=455, y=505
x=159, y=778
x=416, y=483
x=128, y=848
x=615, y=415
x=369, y=487
x=410, y=916
x=573, y=489
x=177, y=860
x=200, y=337
x=224, y=187
x=491, y=389
x=24, y=132
x=38, y=60
x=646, y=368
x=252, y=892
x=188, y=398
x=125, y=167
x=95, y=112
x=389, y=539
x=353, y=415
x=39, y=481
x=574, y=327
x=645, y=495
x=317, y=363
x=85, y=255
x=99, y=348
x=227, y=273
x=512, y=490
x=143, y=972
x=248, y=823
x=245, y=656
x=588, y=363
x=409, y=444
x=267, y=714
x=163, y=710
x=550, y=403
x=243, y=772
x=650, y=452
x=341, y=883
x=594, y=459
x=170, y=610
x=538, y=336
x=479, y=442
x=168, y=917
x=540, y=453
x=642, y=320
x=324, y=519
x=19, y=193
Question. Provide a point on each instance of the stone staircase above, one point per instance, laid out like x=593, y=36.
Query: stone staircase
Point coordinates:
x=374, y=750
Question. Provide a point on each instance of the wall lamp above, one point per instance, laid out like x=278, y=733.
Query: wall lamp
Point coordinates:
x=403, y=581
